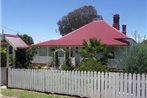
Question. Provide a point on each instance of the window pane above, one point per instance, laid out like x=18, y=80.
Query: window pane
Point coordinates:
x=43, y=51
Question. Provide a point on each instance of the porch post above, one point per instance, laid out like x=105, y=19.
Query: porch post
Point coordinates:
x=8, y=56
x=13, y=58
x=38, y=51
x=54, y=57
x=7, y=65
x=64, y=56
x=47, y=54
x=47, y=51
x=69, y=51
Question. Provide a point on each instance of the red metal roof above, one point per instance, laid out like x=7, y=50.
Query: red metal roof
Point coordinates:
x=97, y=29
x=15, y=41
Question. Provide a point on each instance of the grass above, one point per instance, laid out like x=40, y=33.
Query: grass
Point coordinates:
x=27, y=94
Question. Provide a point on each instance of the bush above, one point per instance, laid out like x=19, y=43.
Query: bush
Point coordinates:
x=67, y=66
x=91, y=65
x=95, y=49
x=134, y=59
x=25, y=56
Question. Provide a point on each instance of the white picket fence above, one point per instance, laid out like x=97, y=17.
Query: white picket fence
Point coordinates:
x=88, y=84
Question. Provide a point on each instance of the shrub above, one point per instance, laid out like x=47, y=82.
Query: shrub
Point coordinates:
x=67, y=66
x=3, y=53
x=134, y=59
x=95, y=49
x=91, y=65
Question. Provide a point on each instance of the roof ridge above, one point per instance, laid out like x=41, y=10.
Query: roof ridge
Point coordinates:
x=9, y=35
x=43, y=42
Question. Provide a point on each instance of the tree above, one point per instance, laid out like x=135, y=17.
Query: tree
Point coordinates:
x=27, y=39
x=77, y=18
x=25, y=56
x=139, y=38
x=95, y=56
x=134, y=59
x=94, y=49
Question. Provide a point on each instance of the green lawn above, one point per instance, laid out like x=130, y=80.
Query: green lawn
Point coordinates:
x=27, y=94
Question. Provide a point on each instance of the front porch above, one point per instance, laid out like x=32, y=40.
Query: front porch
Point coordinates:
x=56, y=56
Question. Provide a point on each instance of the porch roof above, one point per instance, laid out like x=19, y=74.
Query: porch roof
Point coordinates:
x=15, y=41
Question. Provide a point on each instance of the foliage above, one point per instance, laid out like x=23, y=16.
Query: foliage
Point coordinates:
x=94, y=49
x=27, y=39
x=91, y=65
x=134, y=59
x=95, y=56
x=77, y=18
x=56, y=60
x=3, y=54
x=25, y=56
x=67, y=65
x=145, y=41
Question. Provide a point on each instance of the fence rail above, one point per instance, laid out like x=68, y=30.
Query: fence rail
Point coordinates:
x=89, y=84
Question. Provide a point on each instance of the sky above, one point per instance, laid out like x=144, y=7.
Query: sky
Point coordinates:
x=38, y=18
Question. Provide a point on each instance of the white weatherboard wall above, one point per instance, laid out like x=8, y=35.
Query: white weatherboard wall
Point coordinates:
x=89, y=84
x=43, y=59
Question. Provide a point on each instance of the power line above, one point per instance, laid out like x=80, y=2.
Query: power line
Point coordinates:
x=10, y=29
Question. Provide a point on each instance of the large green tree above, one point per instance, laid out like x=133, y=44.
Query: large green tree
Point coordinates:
x=77, y=18
x=25, y=56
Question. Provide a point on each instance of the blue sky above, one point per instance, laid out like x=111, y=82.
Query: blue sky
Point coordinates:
x=38, y=18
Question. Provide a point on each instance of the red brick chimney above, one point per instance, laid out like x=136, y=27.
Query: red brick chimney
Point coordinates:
x=124, y=29
x=116, y=21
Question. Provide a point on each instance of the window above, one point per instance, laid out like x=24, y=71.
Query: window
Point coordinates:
x=42, y=51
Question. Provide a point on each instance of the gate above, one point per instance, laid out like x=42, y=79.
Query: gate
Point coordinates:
x=2, y=75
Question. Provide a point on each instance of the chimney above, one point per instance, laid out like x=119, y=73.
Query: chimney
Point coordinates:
x=116, y=21
x=124, y=29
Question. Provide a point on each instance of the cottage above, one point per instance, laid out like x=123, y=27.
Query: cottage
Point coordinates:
x=57, y=50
